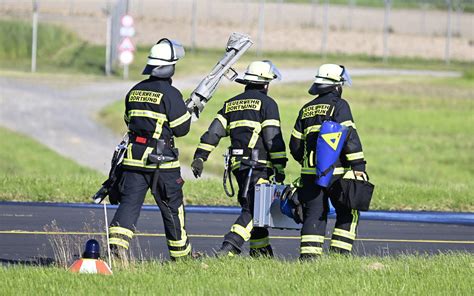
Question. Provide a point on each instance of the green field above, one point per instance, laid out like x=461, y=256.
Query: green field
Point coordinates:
x=418, y=153
x=405, y=275
x=31, y=172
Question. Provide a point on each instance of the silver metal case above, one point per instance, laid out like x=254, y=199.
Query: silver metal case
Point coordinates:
x=267, y=211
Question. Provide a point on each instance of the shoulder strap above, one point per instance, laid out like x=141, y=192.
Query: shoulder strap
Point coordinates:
x=332, y=108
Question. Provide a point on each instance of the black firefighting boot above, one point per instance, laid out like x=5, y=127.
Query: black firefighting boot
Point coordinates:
x=309, y=257
x=261, y=252
x=227, y=250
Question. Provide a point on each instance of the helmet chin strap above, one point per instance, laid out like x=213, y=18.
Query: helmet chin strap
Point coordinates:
x=163, y=71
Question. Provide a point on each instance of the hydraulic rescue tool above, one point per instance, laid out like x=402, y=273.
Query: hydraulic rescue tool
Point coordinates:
x=108, y=186
x=237, y=45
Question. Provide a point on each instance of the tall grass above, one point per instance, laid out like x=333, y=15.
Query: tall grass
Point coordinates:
x=448, y=274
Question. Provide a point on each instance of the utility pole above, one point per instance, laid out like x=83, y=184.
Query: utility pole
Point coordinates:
x=324, y=40
x=108, y=40
x=34, y=41
x=447, y=54
x=386, y=29
x=193, y=25
x=261, y=27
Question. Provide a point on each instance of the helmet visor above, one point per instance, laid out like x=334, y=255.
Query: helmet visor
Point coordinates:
x=346, y=78
x=274, y=70
x=177, y=50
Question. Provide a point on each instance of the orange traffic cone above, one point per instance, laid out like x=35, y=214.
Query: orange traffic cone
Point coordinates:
x=90, y=262
x=85, y=265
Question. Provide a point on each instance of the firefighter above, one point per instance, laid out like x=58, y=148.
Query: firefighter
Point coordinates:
x=155, y=113
x=327, y=105
x=252, y=121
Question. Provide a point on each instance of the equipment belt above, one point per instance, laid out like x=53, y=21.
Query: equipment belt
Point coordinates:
x=246, y=152
x=149, y=141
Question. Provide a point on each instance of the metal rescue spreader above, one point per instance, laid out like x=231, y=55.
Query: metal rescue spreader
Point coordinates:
x=236, y=46
x=267, y=211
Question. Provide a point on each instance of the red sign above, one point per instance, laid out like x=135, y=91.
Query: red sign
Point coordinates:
x=126, y=45
x=127, y=21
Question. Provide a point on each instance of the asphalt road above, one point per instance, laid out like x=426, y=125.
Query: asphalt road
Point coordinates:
x=28, y=232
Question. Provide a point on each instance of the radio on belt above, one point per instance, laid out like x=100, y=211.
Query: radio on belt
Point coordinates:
x=267, y=211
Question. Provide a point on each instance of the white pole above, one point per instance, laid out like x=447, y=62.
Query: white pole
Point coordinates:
x=313, y=12
x=193, y=25
x=34, y=41
x=386, y=29
x=108, y=42
x=107, y=233
x=324, y=40
x=351, y=13
x=125, y=72
x=245, y=12
x=261, y=27
x=447, y=53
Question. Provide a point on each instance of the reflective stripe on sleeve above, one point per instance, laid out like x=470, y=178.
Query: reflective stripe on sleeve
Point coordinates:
x=270, y=122
x=349, y=123
x=354, y=156
x=222, y=120
x=180, y=120
x=206, y=147
x=297, y=134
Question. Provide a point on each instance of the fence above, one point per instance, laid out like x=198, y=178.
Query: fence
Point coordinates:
x=441, y=29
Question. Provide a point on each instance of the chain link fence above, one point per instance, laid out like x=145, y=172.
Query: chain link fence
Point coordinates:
x=439, y=29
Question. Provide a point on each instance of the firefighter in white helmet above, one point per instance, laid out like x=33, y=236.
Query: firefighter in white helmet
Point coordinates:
x=328, y=105
x=155, y=113
x=257, y=151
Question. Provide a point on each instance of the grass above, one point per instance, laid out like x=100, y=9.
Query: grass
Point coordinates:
x=31, y=172
x=61, y=51
x=414, y=131
x=406, y=275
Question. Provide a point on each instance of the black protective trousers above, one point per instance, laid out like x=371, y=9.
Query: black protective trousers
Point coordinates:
x=315, y=200
x=242, y=230
x=133, y=187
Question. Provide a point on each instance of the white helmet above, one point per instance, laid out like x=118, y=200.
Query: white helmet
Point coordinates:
x=260, y=72
x=164, y=53
x=328, y=77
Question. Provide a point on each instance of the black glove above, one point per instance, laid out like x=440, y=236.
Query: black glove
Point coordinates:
x=279, y=173
x=197, y=166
